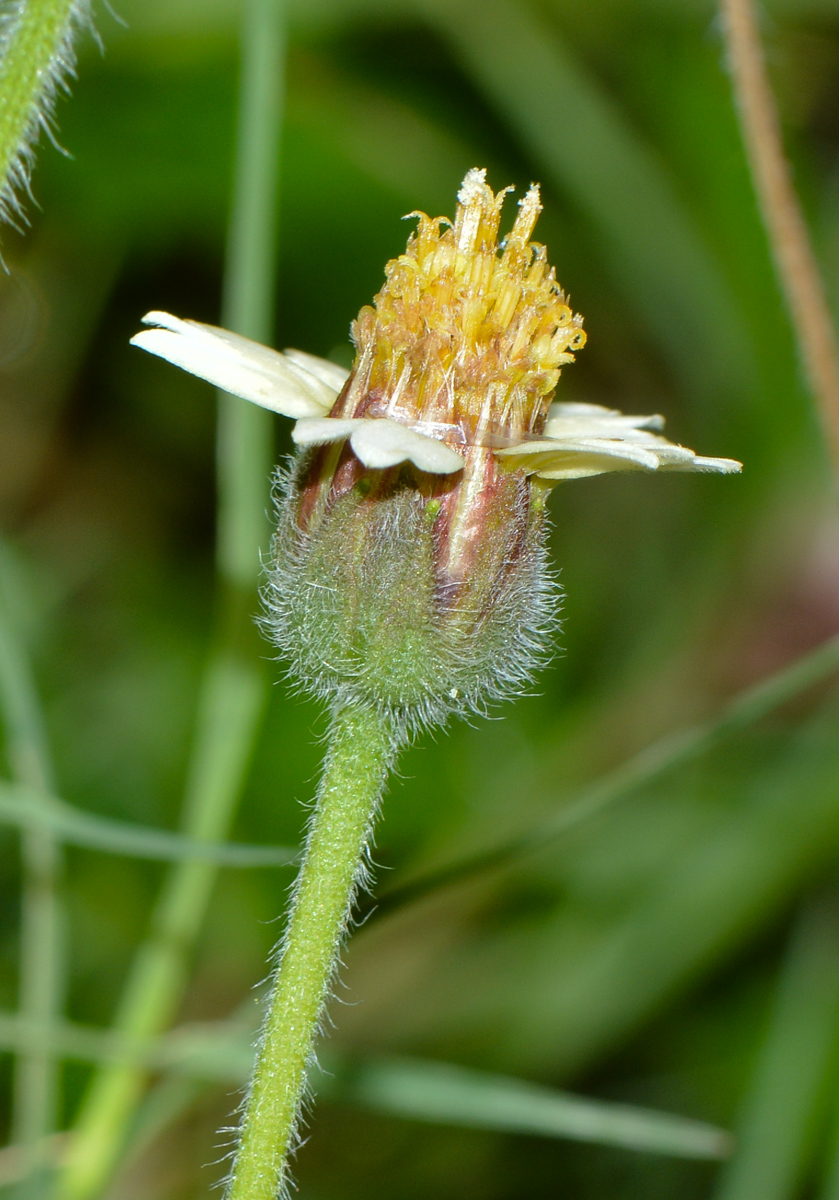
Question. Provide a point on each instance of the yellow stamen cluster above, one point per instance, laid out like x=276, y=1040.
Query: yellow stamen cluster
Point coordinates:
x=464, y=332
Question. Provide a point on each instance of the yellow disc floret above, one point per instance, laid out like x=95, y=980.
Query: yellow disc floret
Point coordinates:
x=467, y=333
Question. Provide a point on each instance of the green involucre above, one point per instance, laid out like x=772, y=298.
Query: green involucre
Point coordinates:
x=356, y=607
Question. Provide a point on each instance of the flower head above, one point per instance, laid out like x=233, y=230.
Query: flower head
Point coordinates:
x=410, y=566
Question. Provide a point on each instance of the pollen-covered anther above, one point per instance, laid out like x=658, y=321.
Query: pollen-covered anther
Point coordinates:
x=461, y=314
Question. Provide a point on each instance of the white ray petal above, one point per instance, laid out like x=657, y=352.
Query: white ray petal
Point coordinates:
x=317, y=431
x=582, y=466
x=546, y=455
x=573, y=408
x=327, y=372
x=721, y=466
x=590, y=420
x=586, y=439
x=379, y=442
x=384, y=443
x=236, y=365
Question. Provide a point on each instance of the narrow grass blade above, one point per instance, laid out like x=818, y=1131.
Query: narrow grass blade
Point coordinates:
x=245, y=441
x=26, y=736
x=589, y=151
x=450, y=1095
x=23, y=807
x=785, y=1098
x=234, y=689
x=36, y=1073
x=795, y=262
x=416, y=1089
x=644, y=768
x=233, y=698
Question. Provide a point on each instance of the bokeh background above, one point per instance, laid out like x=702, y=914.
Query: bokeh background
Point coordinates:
x=638, y=958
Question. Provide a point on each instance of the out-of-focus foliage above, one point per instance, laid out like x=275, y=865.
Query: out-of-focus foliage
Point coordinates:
x=635, y=959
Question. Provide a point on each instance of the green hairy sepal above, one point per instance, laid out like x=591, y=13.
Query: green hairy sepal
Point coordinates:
x=355, y=606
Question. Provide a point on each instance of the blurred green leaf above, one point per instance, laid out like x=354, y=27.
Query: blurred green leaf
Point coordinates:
x=555, y=991
x=41, y=982
x=24, y=807
x=591, y=152
x=673, y=751
x=452, y=1095
x=786, y=1096
x=439, y=1093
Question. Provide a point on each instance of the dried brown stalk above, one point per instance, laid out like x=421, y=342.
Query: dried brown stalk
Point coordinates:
x=788, y=236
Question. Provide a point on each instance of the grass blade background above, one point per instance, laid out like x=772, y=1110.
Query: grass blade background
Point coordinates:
x=233, y=690
x=415, y=1089
x=780, y=1121
x=586, y=977
x=41, y=967
x=21, y=807
x=588, y=150
x=445, y=1094
x=674, y=751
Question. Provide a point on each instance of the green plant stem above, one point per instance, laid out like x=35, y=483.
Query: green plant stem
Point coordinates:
x=36, y=55
x=360, y=754
x=234, y=687
x=244, y=454
x=36, y=1071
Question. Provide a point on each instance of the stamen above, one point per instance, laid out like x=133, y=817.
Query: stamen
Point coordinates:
x=465, y=333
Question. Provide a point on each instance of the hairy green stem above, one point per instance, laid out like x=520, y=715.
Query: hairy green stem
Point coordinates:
x=36, y=1071
x=360, y=753
x=37, y=56
x=234, y=688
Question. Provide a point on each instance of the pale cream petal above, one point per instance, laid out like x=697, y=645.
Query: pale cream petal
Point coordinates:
x=570, y=408
x=317, y=431
x=721, y=466
x=590, y=420
x=580, y=464
x=379, y=442
x=236, y=365
x=383, y=443
x=583, y=466
x=327, y=372
x=584, y=439
x=614, y=455
x=635, y=428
